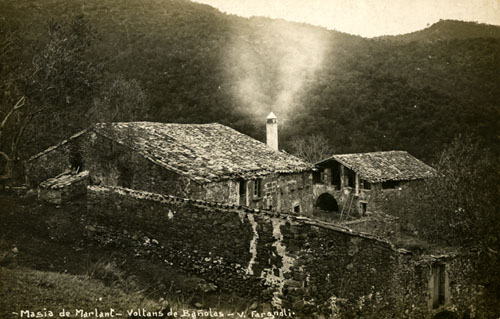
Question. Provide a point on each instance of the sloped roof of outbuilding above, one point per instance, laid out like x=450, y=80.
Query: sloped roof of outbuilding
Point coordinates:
x=64, y=180
x=384, y=166
x=202, y=152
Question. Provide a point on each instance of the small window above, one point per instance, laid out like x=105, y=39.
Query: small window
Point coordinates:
x=365, y=184
x=257, y=188
x=327, y=176
x=390, y=185
x=296, y=209
x=317, y=177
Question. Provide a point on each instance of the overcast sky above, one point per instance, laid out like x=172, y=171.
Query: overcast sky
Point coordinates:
x=367, y=18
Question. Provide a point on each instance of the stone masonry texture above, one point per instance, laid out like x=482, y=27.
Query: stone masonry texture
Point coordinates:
x=314, y=268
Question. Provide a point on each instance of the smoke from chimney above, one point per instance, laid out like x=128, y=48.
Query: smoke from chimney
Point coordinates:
x=269, y=66
x=272, y=131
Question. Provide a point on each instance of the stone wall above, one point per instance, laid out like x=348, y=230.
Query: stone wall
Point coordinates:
x=314, y=268
x=290, y=193
x=64, y=188
x=378, y=224
x=350, y=202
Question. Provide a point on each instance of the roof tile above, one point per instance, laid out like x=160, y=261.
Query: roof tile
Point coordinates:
x=202, y=152
x=385, y=166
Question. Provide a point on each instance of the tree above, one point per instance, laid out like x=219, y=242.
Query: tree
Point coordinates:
x=64, y=81
x=459, y=207
x=50, y=95
x=11, y=99
x=312, y=148
x=462, y=198
x=120, y=101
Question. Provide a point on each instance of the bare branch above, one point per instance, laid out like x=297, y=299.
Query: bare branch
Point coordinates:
x=311, y=148
x=4, y=155
x=15, y=142
x=20, y=103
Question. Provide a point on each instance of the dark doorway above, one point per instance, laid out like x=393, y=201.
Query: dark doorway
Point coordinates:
x=336, y=175
x=243, y=192
x=438, y=285
x=363, y=207
x=317, y=177
x=327, y=203
x=351, y=177
x=75, y=158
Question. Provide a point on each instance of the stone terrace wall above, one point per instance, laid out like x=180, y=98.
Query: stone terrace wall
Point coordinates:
x=292, y=262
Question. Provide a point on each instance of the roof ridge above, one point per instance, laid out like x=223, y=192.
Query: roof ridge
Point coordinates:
x=56, y=146
x=374, y=152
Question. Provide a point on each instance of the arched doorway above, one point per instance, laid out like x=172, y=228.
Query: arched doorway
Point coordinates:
x=327, y=202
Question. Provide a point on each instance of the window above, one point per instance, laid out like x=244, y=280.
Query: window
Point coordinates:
x=351, y=177
x=363, y=207
x=242, y=192
x=390, y=184
x=327, y=176
x=296, y=209
x=336, y=175
x=317, y=177
x=365, y=184
x=257, y=188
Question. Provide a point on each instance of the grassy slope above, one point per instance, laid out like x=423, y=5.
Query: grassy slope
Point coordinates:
x=67, y=277
x=27, y=289
x=54, y=265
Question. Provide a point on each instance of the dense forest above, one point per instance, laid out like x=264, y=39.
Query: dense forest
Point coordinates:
x=178, y=61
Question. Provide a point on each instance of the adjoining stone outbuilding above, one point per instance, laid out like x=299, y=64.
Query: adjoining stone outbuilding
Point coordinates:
x=212, y=162
x=356, y=183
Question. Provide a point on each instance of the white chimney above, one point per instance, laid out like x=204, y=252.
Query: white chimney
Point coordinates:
x=272, y=131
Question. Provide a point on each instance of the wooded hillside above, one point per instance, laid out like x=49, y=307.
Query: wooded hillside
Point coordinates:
x=193, y=64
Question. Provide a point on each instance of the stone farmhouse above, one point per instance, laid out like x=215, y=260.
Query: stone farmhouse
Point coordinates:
x=210, y=162
x=168, y=177
x=356, y=183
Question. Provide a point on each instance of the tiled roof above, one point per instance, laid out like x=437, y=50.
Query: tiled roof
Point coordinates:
x=384, y=166
x=63, y=180
x=202, y=152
